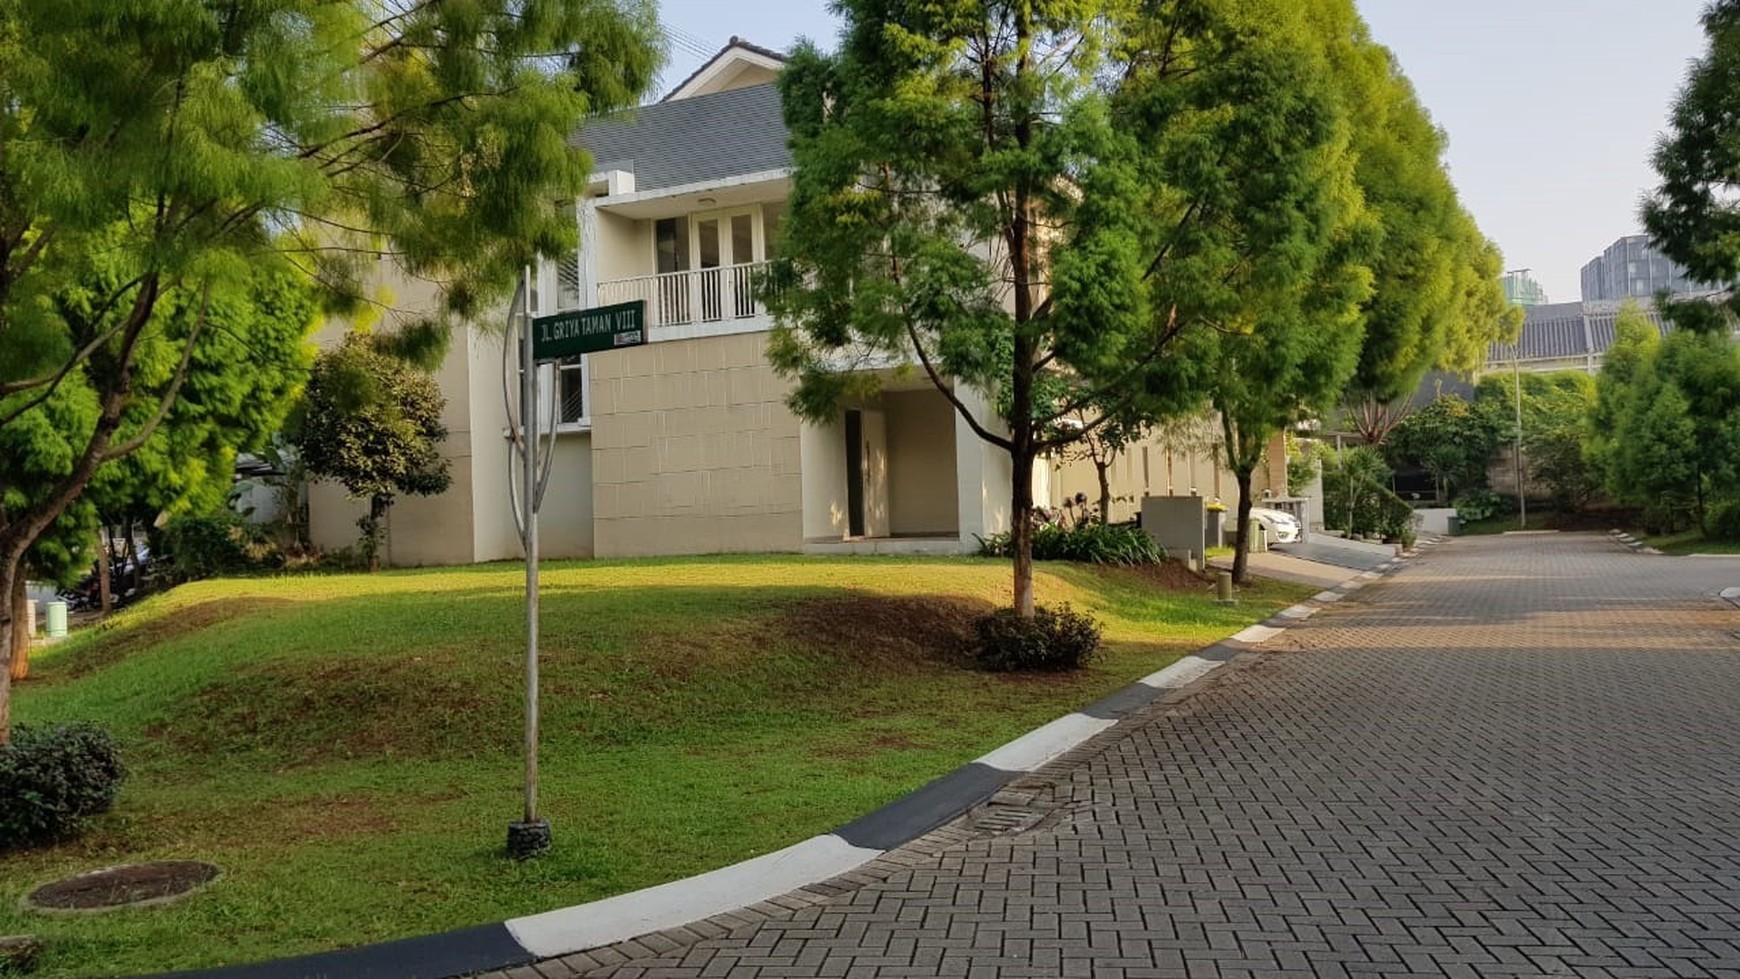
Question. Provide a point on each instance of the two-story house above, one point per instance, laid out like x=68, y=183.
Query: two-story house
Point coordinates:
x=685, y=445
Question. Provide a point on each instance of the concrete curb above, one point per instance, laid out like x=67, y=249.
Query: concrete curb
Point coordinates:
x=1631, y=542
x=570, y=930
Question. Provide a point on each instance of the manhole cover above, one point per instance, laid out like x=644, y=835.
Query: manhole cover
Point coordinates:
x=115, y=887
x=1006, y=819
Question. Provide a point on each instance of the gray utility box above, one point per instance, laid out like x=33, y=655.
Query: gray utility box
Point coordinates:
x=1180, y=524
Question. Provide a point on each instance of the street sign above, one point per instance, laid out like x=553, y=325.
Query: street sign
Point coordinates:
x=588, y=331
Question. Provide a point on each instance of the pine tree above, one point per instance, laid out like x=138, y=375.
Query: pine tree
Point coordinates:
x=180, y=148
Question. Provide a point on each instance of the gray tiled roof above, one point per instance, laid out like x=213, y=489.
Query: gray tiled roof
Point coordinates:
x=693, y=140
x=1566, y=330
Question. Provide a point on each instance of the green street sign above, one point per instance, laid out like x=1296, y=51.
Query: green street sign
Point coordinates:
x=588, y=331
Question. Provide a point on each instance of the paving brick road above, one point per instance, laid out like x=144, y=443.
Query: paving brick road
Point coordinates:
x=1519, y=756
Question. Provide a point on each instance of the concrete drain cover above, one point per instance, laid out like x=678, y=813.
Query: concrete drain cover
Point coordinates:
x=127, y=886
x=997, y=819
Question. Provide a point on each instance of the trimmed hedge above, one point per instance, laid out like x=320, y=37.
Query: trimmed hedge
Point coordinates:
x=52, y=779
x=1054, y=640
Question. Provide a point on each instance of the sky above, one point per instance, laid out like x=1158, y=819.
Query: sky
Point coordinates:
x=1552, y=106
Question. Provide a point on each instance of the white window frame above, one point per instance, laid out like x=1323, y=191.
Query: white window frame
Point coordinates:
x=584, y=366
x=548, y=374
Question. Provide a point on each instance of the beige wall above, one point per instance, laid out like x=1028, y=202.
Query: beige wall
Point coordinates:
x=421, y=530
x=1173, y=463
x=982, y=473
x=624, y=247
x=565, y=519
x=494, y=537
x=822, y=451
x=694, y=450
x=873, y=463
x=921, y=464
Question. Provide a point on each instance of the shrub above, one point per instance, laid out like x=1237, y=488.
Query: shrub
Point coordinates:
x=1480, y=505
x=1357, y=497
x=1725, y=522
x=1092, y=543
x=51, y=779
x=224, y=542
x=1054, y=640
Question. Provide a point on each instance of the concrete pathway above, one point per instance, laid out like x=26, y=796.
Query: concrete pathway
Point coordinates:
x=1287, y=567
x=1518, y=757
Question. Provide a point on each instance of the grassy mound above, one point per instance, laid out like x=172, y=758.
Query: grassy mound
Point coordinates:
x=347, y=747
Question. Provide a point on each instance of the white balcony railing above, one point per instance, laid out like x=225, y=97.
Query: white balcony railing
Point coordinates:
x=698, y=296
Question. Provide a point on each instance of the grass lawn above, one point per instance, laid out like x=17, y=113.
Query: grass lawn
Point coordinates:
x=1689, y=542
x=1491, y=525
x=347, y=747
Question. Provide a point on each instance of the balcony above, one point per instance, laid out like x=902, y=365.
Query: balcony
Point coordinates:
x=697, y=302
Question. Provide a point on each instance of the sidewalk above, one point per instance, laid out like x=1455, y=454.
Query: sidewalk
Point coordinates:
x=1286, y=567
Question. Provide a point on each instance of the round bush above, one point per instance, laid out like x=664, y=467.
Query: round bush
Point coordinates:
x=52, y=779
x=1055, y=639
x=1724, y=522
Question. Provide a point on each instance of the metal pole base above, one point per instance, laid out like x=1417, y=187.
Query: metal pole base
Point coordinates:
x=528, y=839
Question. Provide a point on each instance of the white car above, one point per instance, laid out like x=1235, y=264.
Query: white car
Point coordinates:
x=1282, y=526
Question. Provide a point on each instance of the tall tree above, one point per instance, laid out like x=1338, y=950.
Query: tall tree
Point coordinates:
x=1436, y=300
x=1666, y=418
x=1031, y=201
x=1694, y=215
x=186, y=145
x=1632, y=355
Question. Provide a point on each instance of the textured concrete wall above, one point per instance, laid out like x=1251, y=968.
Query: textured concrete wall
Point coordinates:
x=694, y=451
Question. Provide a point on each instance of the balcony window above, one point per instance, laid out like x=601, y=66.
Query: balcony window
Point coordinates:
x=708, y=266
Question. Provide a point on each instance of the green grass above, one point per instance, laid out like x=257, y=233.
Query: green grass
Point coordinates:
x=347, y=747
x=1689, y=542
x=1491, y=525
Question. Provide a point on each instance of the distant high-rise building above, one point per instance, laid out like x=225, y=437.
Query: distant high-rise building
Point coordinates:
x=1632, y=268
x=1521, y=289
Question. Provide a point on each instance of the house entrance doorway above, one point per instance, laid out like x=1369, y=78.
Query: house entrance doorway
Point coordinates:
x=854, y=473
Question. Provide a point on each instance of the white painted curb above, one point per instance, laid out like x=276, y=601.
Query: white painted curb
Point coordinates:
x=1182, y=673
x=1255, y=634
x=1040, y=745
x=679, y=902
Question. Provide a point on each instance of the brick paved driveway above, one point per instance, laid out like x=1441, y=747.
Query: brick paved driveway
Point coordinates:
x=1518, y=757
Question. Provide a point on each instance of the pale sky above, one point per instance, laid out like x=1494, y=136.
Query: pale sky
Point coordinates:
x=1552, y=106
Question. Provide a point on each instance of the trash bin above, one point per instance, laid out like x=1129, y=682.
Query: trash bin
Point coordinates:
x=1455, y=525
x=56, y=619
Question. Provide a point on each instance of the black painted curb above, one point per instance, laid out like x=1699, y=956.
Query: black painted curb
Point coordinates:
x=917, y=813
x=452, y=953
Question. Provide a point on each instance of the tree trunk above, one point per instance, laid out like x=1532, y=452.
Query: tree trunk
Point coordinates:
x=1242, y=542
x=105, y=591
x=1105, y=489
x=376, y=522
x=1022, y=530
x=11, y=575
x=20, y=640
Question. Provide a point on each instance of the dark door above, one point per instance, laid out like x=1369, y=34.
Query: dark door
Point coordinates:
x=855, y=473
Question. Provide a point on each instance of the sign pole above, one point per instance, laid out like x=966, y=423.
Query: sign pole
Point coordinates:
x=544, y=339
x=529, y=836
